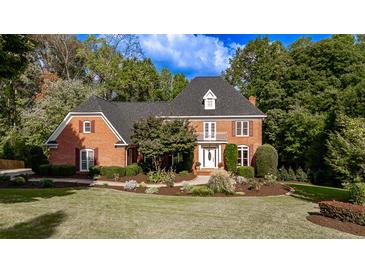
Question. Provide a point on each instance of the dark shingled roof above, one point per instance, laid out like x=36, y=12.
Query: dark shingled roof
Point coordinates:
x=189, y=102
x=229, y=101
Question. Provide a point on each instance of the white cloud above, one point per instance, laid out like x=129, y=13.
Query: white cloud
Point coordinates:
x=191, y=54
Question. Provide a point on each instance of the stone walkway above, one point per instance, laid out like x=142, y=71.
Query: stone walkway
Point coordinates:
x=199, y=180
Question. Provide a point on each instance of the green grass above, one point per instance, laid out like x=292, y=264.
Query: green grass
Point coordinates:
x=104, y=213
x=317, y=193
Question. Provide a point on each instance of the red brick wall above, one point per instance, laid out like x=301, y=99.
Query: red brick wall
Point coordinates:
x=253, y=141
x=103, y=139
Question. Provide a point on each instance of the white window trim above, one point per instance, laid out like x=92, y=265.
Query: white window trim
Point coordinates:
x=87, y=153
x=207, y=106
x=248, y=128
x=84, y=127
x=248, y=154
x=209, y=96
x=210, y=131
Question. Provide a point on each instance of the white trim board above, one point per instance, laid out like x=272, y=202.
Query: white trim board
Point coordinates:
x=70, y=115
x=215, y=116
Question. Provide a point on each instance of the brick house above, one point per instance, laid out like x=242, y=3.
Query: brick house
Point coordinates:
x=97, y=132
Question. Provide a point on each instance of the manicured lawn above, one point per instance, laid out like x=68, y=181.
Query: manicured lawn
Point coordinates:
x=104, y=213
x=316, y=193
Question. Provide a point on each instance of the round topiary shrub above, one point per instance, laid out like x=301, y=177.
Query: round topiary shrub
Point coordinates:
x=266, y=160
x=230, y=157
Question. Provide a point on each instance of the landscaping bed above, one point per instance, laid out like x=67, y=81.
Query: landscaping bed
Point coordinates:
x=266, y=190
x=141, y=177
x=347, y=227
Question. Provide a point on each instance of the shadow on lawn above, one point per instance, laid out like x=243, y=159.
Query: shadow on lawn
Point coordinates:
x=10, y=196
x=41, y=227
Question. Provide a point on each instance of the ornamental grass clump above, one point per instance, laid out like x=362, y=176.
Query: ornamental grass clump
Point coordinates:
x=221, y=183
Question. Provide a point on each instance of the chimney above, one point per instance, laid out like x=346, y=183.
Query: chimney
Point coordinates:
x=252, y=100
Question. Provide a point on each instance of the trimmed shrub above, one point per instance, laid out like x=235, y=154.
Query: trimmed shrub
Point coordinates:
x=63, y=170
x=152, y=190
x=110, y=171
x=46, y=183
x=142, y=185
x=283, y=174
x=132, y=170
x=94, y=171
x=246, y=171
x=201, y=191
x=4, y=179
x=45, y=169
x=221, y=183
x=291, y=175
x=253, y=184
x=230, y=157
x=184, y=173
x=343, y=211
x=19, y=180
x=301, y=175
x=266, y=160
x=131, y=185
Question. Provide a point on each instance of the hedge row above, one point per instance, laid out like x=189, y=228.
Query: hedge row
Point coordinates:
x=112, y=171
x=57, y=170
x=343, y=211
x=246, y=171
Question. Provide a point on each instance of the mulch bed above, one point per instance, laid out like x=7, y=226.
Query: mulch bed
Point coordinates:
x=75, y=176
x=265, y=190
x=347, y=227
x=272, y=190
x=38, y=185
x=143, y=178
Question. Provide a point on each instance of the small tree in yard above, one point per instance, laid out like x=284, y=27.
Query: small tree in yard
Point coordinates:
x=266, y=160
x=156, y=138
x=230, y=157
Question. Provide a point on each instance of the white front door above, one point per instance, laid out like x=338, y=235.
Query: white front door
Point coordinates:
x=210, y=157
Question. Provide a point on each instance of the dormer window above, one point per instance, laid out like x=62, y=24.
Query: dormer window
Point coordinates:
x=209, y=100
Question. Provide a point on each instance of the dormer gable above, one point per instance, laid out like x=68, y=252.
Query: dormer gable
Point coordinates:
x=209, y=100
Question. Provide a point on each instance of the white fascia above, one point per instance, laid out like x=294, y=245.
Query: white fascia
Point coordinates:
x=68, y=118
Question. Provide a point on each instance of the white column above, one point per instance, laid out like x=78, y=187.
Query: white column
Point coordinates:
x=200, y=155
x=219, y=153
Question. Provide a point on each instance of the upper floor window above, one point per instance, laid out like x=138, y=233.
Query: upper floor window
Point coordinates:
x=209, y=100
x=242, y=128
x=209, y=130
x=87, y=127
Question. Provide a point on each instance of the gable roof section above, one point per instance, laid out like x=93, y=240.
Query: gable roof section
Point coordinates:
x=189, y=103
x=229, y=102
x=122, y=115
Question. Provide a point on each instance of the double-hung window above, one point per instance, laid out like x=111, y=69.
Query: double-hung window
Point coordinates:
x=87, y=127
x=242, y=128
x=243, y=155
x=209, y=130
x=86, y=159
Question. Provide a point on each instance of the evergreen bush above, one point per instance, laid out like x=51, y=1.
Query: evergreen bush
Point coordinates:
x=266, y=160
x=230, y=157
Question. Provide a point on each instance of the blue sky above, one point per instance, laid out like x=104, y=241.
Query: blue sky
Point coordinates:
x=203, y=54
